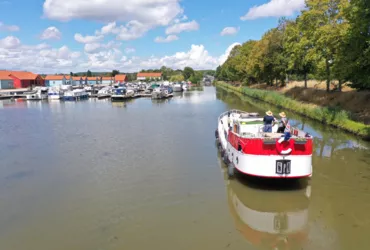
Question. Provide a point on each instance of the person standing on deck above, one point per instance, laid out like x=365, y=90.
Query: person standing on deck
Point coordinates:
x=268, y=122
x=282, y=123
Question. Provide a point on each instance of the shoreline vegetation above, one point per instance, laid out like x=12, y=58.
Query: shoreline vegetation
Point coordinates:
x=334, y=117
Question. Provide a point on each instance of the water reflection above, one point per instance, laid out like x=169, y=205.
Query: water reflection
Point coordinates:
x=270, y=219
x=13, y=103
x=196, y=97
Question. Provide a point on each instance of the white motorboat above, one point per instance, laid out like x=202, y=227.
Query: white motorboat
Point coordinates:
x=185, y=87
x=38, y=93
x=121, y=94
x=105, y=92
x=57, y=93
x=76, y=94
x=246, y=148
x=162, y=92
x=177, y=87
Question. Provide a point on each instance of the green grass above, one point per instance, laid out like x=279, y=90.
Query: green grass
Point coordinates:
x=327, y=115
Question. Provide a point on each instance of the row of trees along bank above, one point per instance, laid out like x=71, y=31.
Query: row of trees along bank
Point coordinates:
x=168, y=74
x=329, y=40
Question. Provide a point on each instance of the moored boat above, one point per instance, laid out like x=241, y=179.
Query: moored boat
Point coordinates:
x=162, y=92
x=121, y=94
x=105, y=92
x=246, y=148
x=38, y=93
x=75, y=95
x=177, y=87
x=57, y=93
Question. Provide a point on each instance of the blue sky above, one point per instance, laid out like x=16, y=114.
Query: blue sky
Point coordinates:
x=138, y=34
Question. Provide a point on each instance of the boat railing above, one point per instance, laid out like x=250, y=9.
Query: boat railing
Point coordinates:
x=237, y=112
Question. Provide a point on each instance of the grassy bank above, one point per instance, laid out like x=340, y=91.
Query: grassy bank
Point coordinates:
x=331, y=116
x=356, y=103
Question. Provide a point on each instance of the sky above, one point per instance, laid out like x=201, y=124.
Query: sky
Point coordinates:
x=62, y=36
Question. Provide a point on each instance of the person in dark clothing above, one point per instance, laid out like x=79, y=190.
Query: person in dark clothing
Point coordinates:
x=268, y=122
x=282, y=123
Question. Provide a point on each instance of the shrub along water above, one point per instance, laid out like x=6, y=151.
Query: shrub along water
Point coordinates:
x=327, y=115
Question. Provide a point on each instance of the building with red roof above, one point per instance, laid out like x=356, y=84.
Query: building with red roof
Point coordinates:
x=19, y=79
x=147, y=75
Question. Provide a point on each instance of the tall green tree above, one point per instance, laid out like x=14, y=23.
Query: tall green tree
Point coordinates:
x=297, y=47
x=325, y=26
x=88, y=73
x=356, y=49
x=188, y=72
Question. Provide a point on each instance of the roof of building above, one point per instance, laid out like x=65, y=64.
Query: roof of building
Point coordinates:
x=107, y=78
x=54, y=77
x=92, y=78
x=76, y=78
x=4, y=75
x=22, y=75
x=120, y=77
x=144, y=74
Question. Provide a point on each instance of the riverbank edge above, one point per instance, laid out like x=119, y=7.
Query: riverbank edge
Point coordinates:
x=333, y=117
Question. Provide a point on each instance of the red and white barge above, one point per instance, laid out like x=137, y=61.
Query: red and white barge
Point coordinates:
x=246, y=148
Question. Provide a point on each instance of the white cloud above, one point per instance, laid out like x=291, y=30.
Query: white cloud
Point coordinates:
x=224, y=57
x=229, y=31
x=42, y=58
x=51, y=33
x=130, y=50
x=88, y=39
x=36, y=58
x=154, y=12
x=167, y=39
x=130, y=31
x=97, y=47
x=274, y=8
x=178, y=20
x=10, y=42
x=4, y=27
x=181, y=27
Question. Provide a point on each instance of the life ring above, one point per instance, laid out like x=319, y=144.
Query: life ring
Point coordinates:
x=284, y=147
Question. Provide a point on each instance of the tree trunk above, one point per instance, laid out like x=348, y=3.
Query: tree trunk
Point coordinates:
x=340, y=85
x=305, y=79
x=328, y=80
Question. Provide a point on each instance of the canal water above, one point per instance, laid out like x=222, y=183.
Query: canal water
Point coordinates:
x=145, y=174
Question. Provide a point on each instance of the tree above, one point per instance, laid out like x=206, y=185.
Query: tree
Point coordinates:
x=297, y=48
x=71, y=73
x=188, y=72
x=196, y=78
x=88, y=73
x=325, y=27
x=115, y=72
x=356, y=49
x=177, y=78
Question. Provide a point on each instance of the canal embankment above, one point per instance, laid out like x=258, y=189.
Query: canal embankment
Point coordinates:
x=330, y=115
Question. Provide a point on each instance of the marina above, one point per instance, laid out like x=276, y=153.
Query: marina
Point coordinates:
x=81, y=175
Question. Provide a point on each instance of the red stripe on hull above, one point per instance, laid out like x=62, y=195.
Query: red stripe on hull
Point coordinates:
x=256, y=146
